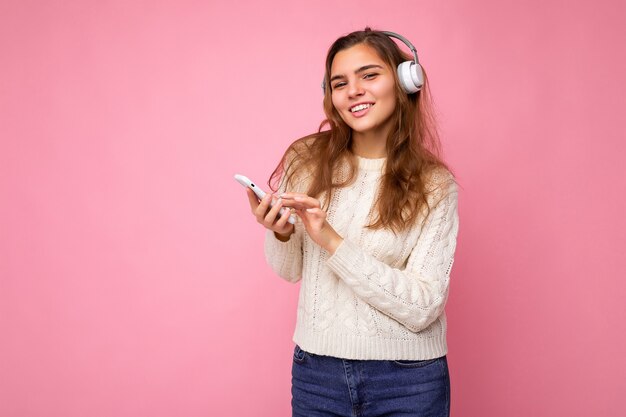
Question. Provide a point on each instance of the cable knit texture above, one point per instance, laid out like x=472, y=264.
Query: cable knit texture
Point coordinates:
x=380, y=295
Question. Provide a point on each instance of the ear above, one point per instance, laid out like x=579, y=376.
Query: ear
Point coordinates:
x=411, y=76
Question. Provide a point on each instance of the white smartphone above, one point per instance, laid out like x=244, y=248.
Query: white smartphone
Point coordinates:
x=245, y=181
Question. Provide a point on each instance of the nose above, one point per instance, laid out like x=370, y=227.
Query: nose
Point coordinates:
x=355, y=89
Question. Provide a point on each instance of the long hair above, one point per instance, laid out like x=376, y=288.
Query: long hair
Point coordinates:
x=413, y=145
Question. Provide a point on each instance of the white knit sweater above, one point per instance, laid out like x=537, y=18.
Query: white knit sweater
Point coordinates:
x=379, y=296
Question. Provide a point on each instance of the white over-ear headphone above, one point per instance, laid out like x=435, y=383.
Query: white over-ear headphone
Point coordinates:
x=410, y=73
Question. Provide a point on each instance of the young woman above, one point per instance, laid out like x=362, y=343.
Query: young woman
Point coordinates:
x=373, y=243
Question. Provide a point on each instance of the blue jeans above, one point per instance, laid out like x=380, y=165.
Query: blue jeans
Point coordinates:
x=329, y=386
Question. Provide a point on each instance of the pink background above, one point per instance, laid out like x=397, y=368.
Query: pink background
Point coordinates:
x=132, y=275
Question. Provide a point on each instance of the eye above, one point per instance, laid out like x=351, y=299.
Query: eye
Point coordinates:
x=369, y=76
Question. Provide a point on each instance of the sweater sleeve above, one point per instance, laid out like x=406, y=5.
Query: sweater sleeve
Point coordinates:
x=415, y=295
x=285, y=258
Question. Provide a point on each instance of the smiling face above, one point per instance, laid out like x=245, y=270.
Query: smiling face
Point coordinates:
x=360, y=76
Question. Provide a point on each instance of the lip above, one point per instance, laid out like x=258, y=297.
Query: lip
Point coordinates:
x=361, y=113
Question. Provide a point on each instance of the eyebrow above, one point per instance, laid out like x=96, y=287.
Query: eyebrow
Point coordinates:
x=363, y=68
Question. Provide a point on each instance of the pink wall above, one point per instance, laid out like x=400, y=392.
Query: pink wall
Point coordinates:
x=132, y=276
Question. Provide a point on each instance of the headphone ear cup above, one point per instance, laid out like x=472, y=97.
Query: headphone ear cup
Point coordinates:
x=411, y=76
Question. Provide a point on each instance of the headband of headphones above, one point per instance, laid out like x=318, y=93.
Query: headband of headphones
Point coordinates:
x=410, y=73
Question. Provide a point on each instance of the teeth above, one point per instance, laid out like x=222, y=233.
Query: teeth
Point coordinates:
x=360, y=107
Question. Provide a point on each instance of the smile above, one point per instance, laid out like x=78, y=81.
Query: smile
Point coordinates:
x=361, y=109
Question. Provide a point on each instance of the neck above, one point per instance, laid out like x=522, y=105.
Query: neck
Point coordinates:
x=369, y=145
x=372, y=143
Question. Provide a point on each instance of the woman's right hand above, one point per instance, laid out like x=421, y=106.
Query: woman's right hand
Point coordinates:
x=269, y=217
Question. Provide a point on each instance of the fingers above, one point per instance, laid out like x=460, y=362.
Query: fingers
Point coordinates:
x=271, y=215
x=282, y=220
x=254, y=201
x=300, y=201
x=310, y=214
x=266, y=215
x=315, y=211
x=262, y=208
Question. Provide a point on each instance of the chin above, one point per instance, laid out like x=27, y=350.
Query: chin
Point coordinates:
x=363, y=128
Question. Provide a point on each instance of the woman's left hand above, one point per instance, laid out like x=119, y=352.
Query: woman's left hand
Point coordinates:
x=314, y=220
